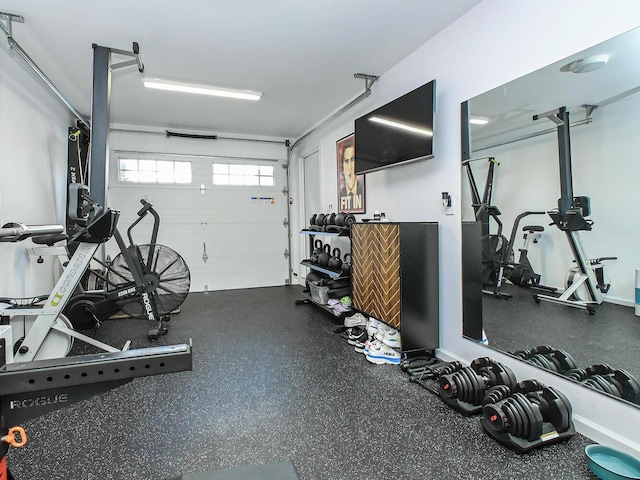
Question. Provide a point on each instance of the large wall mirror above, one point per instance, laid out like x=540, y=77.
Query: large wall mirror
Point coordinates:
x=551, y=193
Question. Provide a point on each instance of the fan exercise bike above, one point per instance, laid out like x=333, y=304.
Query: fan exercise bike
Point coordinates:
x=142, y=281
x=38, y=327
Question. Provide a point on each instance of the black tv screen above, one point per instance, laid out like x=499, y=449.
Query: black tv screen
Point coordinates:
x=399, y=132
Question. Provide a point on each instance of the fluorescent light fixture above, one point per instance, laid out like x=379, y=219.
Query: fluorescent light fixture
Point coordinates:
x=478, y=120
x=402, y=126
x=201, y=89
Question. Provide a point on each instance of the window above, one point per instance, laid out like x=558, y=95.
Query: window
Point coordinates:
x=235, y=174
x=133, y=170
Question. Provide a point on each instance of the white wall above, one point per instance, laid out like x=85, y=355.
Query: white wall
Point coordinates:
x=33, y=160
x=494, y=43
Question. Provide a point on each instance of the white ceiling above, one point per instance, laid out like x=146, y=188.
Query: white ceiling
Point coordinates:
x=300, y=54
x=511, y=107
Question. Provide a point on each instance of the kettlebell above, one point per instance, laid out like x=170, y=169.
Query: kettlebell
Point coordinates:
x=330, y=219
x=323, y=258
x=316, y=251
x=312, y=220
x=346, y=265
x=320, y=219
x=334, y=261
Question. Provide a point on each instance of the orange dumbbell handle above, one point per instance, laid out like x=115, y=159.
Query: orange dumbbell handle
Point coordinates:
x=10, y=438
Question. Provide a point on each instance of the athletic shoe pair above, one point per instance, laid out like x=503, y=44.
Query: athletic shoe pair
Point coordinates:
x=379, y=353
x=357, y=337
x=357, y=320
x=388, y=335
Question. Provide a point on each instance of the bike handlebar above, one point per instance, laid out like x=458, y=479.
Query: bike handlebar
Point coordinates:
x=147, y=208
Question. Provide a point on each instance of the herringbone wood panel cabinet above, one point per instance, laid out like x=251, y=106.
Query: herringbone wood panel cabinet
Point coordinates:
x=394, y=278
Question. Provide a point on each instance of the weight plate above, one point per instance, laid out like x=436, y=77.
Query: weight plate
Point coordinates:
x=496, y=418
x=565, y=361
x=462, y=383
x=515, y=420
x=524, y=421
x=448, y=387
x=472, y=386
x=524, y=403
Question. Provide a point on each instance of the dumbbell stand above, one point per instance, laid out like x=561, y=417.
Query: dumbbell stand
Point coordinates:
x=465, y=408
x=521, y=445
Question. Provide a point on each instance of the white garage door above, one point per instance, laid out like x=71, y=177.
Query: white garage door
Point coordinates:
x=232, y=235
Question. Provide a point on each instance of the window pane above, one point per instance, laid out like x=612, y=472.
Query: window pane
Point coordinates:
x=236, y=179
x=147, y=177
x=133, y=170
x=220, y=168
x=251, y=169
x=128, y=176
x=252, y=180
x=165, y=177
x=164, y=166
x=266, y=181
x=147, y=165
x=236, y=169
x=221, y=179
x=266, y=170
x=128, y=164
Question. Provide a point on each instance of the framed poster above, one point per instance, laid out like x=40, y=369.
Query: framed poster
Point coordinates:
x=351, y=189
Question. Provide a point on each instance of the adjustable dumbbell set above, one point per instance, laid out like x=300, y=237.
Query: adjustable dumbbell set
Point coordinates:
x=601, y=377
x=547, y=357
x=520, y=415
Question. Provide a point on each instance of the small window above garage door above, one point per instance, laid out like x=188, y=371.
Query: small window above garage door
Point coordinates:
x=136, y=170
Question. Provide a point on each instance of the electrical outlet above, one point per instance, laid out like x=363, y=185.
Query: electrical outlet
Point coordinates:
x=206, y=287
x=330, y=206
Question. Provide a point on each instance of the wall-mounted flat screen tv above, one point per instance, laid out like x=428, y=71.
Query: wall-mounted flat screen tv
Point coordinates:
x=397, y=133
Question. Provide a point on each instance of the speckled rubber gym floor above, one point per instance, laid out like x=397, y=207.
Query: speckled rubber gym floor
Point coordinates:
x=271, y=383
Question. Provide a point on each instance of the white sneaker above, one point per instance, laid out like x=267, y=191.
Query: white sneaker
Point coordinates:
x=369, y=343
x=372, y=326
x=381, y=353
x=388, y=335
x=357, y=320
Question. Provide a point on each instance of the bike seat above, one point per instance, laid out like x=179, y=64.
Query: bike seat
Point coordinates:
x=533, y=228
x=49, y=240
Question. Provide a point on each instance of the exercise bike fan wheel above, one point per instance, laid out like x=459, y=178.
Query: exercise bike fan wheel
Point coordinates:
x=168, y=273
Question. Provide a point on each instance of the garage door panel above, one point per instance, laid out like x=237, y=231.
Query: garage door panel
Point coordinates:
x=241, y=229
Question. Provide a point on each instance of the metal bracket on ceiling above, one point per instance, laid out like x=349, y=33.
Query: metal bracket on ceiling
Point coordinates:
x=6, y=20
x=135, y=53
x=369, y=80
x=553, y=115
x=588, y=111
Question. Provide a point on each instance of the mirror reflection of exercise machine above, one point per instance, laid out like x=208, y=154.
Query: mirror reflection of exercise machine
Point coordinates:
x=498, y=253
x=571, y=218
